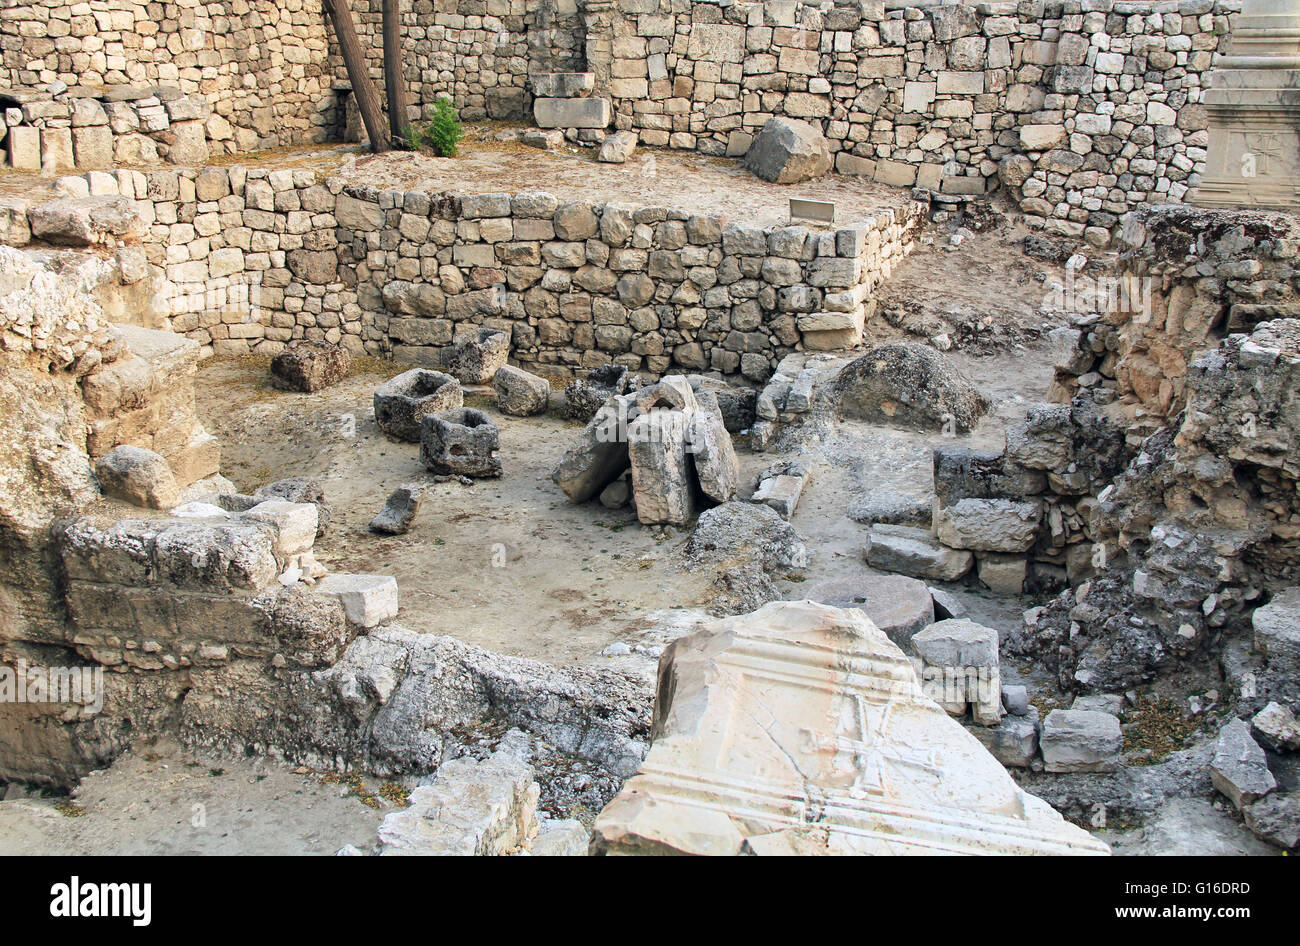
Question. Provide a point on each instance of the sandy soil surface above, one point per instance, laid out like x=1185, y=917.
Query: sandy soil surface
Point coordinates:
x=166, y=801
x=984, y=292
x=507, y=564
x=510, y=564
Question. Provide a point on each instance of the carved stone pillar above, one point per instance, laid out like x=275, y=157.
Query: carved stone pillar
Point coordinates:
x=1254, y=110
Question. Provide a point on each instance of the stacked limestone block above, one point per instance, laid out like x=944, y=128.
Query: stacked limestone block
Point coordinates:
x=250, y=259
x=122, y=126
x=1081, y=110
x=145, y=399
x=262, y=68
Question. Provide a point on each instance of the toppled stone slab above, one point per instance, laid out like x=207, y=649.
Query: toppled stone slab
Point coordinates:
x=898, y=606
x=599, y=454
x=477, y=355
x=915, y=552
x=781, y=486
x=1277, y=727
x=911, y=386
x=745, y=546
x=663, y=480
x=402, y=402
x=520, y=393
x=959, y=668
x=469, y=808
x=368, y=600
x=787, y=151
x=309, y=366
x=137, y=476
x=762, y=736
x=1240, y=768
x=400, y=510
x=1081, y=741
x=714, y=455
x=461, y=442
x=989, y=525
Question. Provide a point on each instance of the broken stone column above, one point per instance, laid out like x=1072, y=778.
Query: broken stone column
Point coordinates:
x=1254, y=112
x=801, y=727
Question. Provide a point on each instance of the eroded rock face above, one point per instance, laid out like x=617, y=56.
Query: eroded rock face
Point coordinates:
x=787, y=151
x=910, y=386
x=749, y=757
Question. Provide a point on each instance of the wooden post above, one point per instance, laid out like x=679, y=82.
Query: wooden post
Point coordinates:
x=372, y=113
x=393, y=83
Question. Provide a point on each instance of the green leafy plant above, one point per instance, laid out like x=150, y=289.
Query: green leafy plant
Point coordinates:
x=442, y=132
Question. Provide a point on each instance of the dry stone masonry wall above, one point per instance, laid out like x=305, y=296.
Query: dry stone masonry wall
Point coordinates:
x=249, y=259
x=1082, y=110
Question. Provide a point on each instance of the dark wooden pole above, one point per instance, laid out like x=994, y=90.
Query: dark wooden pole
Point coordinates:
x=372, y=113
x=393, y=82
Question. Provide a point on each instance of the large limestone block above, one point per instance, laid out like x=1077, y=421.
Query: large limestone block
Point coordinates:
x=989, y=525
x=599, y=454
x=802, y=728
x=910, y=551
x=663, y=474
x=572, y=113
x=469, y=808
x=898, y=605
x=1081, y=741
x=137, y=476
x=788, y=151
x=1277, y=631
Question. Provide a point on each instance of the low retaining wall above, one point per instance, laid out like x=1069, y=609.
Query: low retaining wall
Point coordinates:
x=249, y=259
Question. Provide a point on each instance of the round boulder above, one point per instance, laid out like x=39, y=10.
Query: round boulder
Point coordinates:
x=908, y=385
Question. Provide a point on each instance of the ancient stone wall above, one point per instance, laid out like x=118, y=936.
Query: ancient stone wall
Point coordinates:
x=1086, y=108
x=248, y=259
x=1188, y=278
x=263, y=67
x=1082, y=110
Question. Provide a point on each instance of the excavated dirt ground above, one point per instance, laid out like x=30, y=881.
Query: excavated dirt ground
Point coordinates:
x=510, y=564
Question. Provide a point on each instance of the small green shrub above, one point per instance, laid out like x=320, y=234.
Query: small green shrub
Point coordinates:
x=442, y=132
